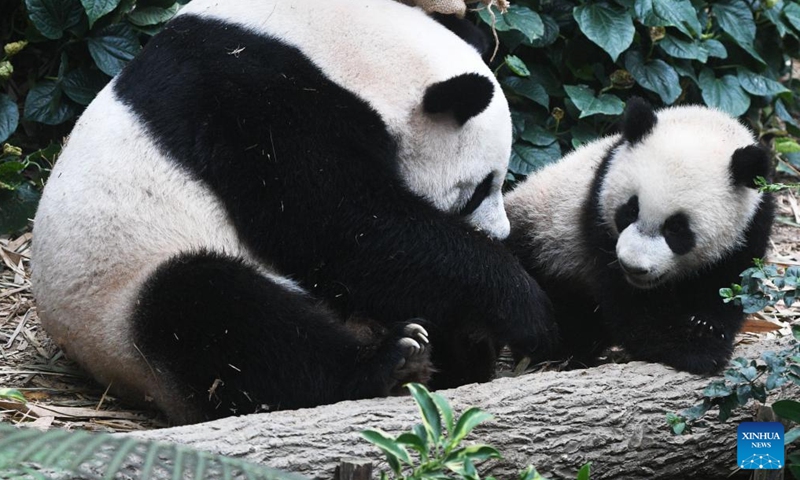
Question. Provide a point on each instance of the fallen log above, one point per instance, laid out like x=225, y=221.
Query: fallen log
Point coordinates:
x=612, y=415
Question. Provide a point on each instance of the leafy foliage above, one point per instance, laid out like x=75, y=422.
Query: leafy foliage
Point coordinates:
x=437, y=444
x=57, y=55
x=745, y=380
x=32, y=454
x=764, y=285
x=572, y=64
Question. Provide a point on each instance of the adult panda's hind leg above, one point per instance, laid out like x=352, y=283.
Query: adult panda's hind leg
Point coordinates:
x=225, y=338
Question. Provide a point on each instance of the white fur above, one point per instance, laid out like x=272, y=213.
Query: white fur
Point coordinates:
x=548, y=207
x=115, y=207
x=363, y=46
x=683, y=165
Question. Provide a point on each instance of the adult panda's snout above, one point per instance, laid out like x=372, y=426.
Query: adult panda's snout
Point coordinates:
x=490, y=217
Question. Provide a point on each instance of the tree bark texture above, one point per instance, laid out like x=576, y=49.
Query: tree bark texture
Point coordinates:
x=612, y=415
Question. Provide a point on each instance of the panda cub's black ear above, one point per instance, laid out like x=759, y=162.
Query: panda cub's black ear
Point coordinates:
x=749, y=162
x=465, y=96
x=638, y=121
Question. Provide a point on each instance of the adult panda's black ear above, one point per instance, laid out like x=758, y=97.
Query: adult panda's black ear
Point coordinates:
x=750, y=162
x=464, y=96
x=638, y=121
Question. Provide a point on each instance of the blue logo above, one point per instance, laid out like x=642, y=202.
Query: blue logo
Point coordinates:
x=760, y=445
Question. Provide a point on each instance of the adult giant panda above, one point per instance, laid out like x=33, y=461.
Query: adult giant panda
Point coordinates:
x=265, y=169
x=633, y=235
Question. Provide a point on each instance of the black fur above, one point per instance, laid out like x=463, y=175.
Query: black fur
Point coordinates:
x=627, y=214
x=678, y=233
x=468, y=31
x=307, y=172
x=478, y=196
x=639, y=120
x=221, y=328
x=748, y=163
x=464, y=96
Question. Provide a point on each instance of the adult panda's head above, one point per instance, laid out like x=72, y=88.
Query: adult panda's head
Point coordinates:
x=679, y=190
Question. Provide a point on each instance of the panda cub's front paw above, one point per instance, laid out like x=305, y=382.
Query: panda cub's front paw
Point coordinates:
x=703, y=327
x=414, y=364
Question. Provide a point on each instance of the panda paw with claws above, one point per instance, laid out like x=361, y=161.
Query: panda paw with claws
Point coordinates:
x=708, y=328
x=414, y=364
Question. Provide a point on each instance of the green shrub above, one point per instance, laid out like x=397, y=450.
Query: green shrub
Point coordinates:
x=568, y=66
x=57, y=54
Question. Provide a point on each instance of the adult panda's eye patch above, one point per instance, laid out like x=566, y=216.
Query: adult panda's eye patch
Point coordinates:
x=627, y=214
x=478, y=196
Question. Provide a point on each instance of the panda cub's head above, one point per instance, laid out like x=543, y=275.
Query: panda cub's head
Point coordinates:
x=679, y=190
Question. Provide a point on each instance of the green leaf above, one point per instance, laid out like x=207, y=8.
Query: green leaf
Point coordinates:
x=83, y=84
x=792, y=13
x=538, y=136
x=610, y=28
x=52, y=17
x=113, y=47
x=669, y=13
x=697, y=411
x=526, y=158
x=583, y=473
x=678, y=48
x=147, y=16
x=717, y=389
x=736, y=19
x=723, y=93
x=788, y=409
x=386, y=443
x=786, y=145
x=415, y=442
x=9, y=117
x=517, y=66
x=528, y=88
x=756, y=84
x=589, y=104
x=471, y=418
x=97, y=8
x=714, y=48
x=45, y=104
x=445, y=409
x=791, y=435
x=13, y=394
x=497, y=22
x=16, y=207
x=525, y=20
x=655, y=76
x=430, y=414
x=550, y=35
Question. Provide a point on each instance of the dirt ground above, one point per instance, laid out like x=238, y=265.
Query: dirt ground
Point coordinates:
x=59, y=394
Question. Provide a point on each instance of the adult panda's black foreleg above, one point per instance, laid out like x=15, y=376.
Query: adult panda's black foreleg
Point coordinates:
x=230, y=339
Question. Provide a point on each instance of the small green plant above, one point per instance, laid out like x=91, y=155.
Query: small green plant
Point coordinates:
x=437, y=442
x=763, y=285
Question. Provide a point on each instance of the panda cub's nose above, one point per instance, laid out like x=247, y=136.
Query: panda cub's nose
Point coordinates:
x=633, y=270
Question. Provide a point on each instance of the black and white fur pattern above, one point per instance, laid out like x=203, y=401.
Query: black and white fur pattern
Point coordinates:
x=633, y=235
x=264, y=171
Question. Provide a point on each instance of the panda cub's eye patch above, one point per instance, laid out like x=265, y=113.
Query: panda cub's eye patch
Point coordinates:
x=478, y=196
x=678, y=234
x=627, y=213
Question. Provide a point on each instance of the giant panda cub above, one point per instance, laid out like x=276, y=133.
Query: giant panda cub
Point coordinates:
x=264, y=171
x=633, y=235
